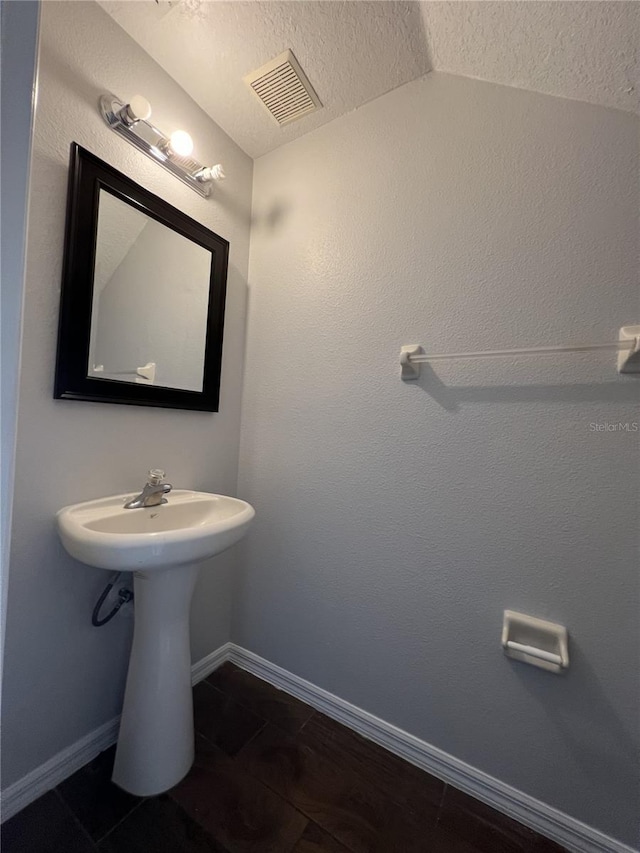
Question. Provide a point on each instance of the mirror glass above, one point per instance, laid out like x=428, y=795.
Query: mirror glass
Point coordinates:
x=150, y=301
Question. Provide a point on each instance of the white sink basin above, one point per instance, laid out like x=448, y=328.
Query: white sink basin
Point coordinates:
x=162, y=546
x=191, y=527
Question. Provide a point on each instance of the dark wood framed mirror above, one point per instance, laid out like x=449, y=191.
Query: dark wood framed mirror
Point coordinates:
x=143, y=296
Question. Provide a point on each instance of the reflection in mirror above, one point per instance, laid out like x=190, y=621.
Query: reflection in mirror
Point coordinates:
x=150, y=301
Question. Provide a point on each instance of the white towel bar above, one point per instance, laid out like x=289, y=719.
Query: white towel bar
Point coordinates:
x=627, y=346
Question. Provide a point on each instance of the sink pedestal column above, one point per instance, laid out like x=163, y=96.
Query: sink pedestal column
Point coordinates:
x=155, y=744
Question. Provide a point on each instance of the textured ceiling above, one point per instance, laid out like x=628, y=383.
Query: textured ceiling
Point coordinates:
x=355, y=50
x=351, y=52
x=586, y=50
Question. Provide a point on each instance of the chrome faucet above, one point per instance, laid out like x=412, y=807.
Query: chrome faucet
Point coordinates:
x=152, y=494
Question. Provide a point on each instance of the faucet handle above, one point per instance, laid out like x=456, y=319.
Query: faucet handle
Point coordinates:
x=155, y=476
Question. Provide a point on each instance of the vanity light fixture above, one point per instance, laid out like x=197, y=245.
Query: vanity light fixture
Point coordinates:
x=130, y=120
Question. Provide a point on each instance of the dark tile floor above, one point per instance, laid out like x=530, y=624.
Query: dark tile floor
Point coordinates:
x=271, y=775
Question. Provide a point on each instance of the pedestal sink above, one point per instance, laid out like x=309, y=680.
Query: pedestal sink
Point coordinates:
x=162, y=546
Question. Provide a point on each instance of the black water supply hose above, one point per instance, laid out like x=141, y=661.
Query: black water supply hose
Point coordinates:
x=124, y=595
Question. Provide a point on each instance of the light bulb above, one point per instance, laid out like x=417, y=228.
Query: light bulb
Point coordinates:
x=211, y=173
x=138, y=108
x=181, y=143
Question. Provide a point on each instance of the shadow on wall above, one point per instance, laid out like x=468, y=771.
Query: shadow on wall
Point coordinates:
x=452, y=397
x=592, y=729
x=271, y=218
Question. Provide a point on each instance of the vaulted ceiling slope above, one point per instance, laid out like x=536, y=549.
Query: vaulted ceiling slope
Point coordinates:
x=355, y=50
x=582, y=49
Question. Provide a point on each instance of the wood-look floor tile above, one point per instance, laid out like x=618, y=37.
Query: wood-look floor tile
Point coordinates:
x=221, y=720
x=488, y=830
x=237, y=810
x=316, y=840
x=45, y=826
x=266, y=701
x=91, y=795
x=403, y=783
x=159, y=825
x=294, y=771
x=340, y=802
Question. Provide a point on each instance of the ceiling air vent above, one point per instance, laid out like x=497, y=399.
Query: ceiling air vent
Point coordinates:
x=283, y=88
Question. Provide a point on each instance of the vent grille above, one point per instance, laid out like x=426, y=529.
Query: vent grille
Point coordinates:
x=283, y=88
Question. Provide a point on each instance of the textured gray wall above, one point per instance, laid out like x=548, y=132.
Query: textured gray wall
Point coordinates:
x=395, y=521
x=19, y=34
x=64, y=678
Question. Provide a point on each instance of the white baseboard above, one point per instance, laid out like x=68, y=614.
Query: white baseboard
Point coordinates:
x=548, y=821
x=54, y=771
x=573, y=834
x=45, y=777
x=206, y=665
